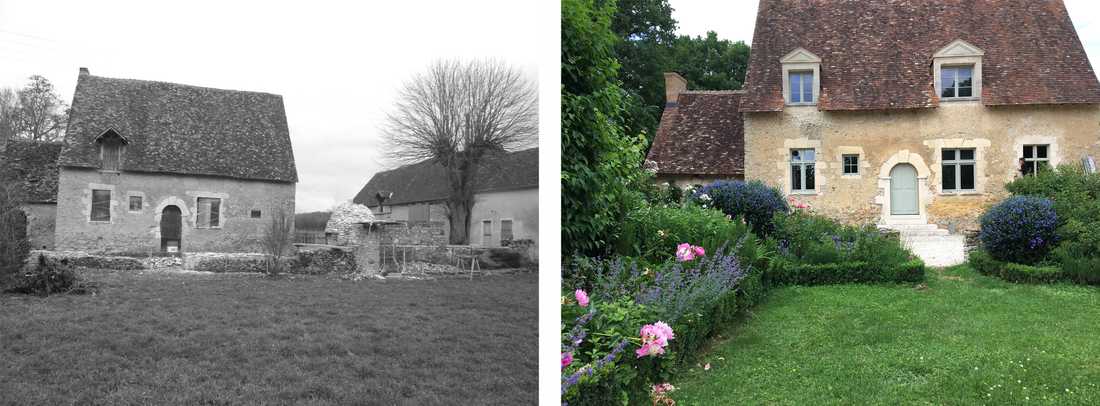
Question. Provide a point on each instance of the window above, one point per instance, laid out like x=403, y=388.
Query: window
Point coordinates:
x=802, y=87
x=1035, y=159
x=851, y=164
x=256, y=214
x=958, y=170
x=506, y=230
x=110, y=151
x=486, y=231
x=802, y=170
x=957, y=82
x=419, y=212
x=208, y=213
x=135, y=203
x=101, y=205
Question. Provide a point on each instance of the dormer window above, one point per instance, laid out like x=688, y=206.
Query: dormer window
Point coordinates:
x=801, y=77
x=111, y=147
x=958, y=71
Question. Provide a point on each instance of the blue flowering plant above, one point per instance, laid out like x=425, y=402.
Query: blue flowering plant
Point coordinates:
x=754, y=202
x=1020, y=229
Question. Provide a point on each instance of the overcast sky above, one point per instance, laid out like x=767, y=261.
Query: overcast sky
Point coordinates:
x=338, y=66
x=734, y=19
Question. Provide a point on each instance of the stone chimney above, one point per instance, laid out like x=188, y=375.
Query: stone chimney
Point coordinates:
x=674, y=85
x=84, y=71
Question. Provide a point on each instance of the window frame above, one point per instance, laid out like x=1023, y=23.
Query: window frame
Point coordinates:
x=140, y=202
x=256, y=214
x=844, y=165
x=958, y=53
x=92, y=213
x=958, y=163
x=214, y=222
x=802, y=87
x=486, y=226
x=955, y=75
x=511, y=230
x=1035, y=160
x=801, y=164
x=800, y=60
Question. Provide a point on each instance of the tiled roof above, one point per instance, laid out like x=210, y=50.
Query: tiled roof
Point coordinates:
x=427, y=182
x=878, y=54
x=35, y=166
x=173, y=128
x=701, y=134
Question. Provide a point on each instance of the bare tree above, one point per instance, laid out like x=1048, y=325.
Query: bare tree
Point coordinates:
x=277, y=240
x=41, y=115
x=9, y=109
x=457, y=114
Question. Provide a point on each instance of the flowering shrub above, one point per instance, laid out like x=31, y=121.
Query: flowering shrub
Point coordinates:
x=687, y=252
x=650, y=233
x=654, y=339
x=1019, y=229
x=805, y=238
x=753, y=201
x=660, y=395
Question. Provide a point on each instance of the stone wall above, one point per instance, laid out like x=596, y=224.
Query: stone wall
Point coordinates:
x=884, y=139
x=41, y=218
x=139, y=231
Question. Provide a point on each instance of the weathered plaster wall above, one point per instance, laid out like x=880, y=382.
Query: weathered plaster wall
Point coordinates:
x=886, y=138
x=40, y=224
x=521, y=206
x=130, y=231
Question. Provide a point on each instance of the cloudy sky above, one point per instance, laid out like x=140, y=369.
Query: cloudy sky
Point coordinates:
x=338, y=66
x=734, y=19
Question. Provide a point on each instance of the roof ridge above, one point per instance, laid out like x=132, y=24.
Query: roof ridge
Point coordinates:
x=161, y=82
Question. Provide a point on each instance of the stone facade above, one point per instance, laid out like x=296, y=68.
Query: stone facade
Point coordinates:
x=41, y=218
x=139, y=231
x=519, y=206
x=885, y=139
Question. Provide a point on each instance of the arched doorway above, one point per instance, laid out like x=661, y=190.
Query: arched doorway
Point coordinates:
x=904, y=199
x=171, y=229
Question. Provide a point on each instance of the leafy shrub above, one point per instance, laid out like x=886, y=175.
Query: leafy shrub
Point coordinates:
x=651, y=233
x=323, y=261
x=753, y=201
x=986, y=264
x=1019, y=229
x=811, y=239
x=786, y=273
x=47, y=277
x=14, y=246
x=1079, y=262
x=604, y=369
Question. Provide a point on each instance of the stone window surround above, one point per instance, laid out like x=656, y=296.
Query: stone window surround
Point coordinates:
x=784, y=165
x=980, y=147
x=144, y=201
x=1053, y=155
x=924, y=191
x=510, y=220
x=801, y=60
x=222, y=209
x=958, y=161
x=88, y=203
x=958, y=53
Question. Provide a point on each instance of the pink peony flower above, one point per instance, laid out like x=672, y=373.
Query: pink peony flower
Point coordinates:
x=582, y=298
x=654, y=339
x=663, y=388
x=698, y=251
x=684, y=252
x=566, y=359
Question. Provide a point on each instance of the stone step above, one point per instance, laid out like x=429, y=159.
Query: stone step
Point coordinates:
x=937, y=250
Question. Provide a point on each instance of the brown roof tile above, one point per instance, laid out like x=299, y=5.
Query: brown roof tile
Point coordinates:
x=701, y=134
x=878, y=54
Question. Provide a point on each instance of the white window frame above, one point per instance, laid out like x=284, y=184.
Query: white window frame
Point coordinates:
x=958, y=53
x=221, y=213
x=1035, y=158
x=958, y=162
x=844, y=164
x=801, y=164
x=801, y=61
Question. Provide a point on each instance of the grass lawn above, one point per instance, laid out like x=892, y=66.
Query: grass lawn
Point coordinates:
x=966, y=339
x=159, y=337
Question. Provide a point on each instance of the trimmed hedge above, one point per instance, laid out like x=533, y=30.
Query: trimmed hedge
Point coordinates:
x=985, y=264
x=786, y=273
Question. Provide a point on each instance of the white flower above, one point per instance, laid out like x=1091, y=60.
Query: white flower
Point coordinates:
x=704, y=197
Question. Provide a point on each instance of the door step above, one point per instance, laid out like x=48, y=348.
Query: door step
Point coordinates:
x=933, y=245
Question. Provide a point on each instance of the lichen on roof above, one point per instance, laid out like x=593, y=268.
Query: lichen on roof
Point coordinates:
x=34, y=165
x=181, y=129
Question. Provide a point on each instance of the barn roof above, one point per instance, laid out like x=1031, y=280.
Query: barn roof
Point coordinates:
x=702, y=133
x=427, y=181
x=878, y=54
x=35, y=166
x=174, y=128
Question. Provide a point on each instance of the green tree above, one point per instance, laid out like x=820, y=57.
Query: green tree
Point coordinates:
x=600, y=168
x=709, y=63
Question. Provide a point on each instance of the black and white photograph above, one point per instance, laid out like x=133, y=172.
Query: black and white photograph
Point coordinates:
x=268, y=203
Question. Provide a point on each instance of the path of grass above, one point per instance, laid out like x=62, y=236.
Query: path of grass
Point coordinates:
x=160, y=338
x=966, y=339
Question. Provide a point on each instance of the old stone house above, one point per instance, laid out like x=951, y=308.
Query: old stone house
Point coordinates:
x=152, y=166
x=506, y=199
x=900, y=113
x=34, y=166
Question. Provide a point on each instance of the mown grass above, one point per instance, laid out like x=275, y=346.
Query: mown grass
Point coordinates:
x=160, y=338
x=965, y=339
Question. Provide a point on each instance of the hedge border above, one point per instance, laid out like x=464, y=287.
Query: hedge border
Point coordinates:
x=985, y=264
x=782, y=272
